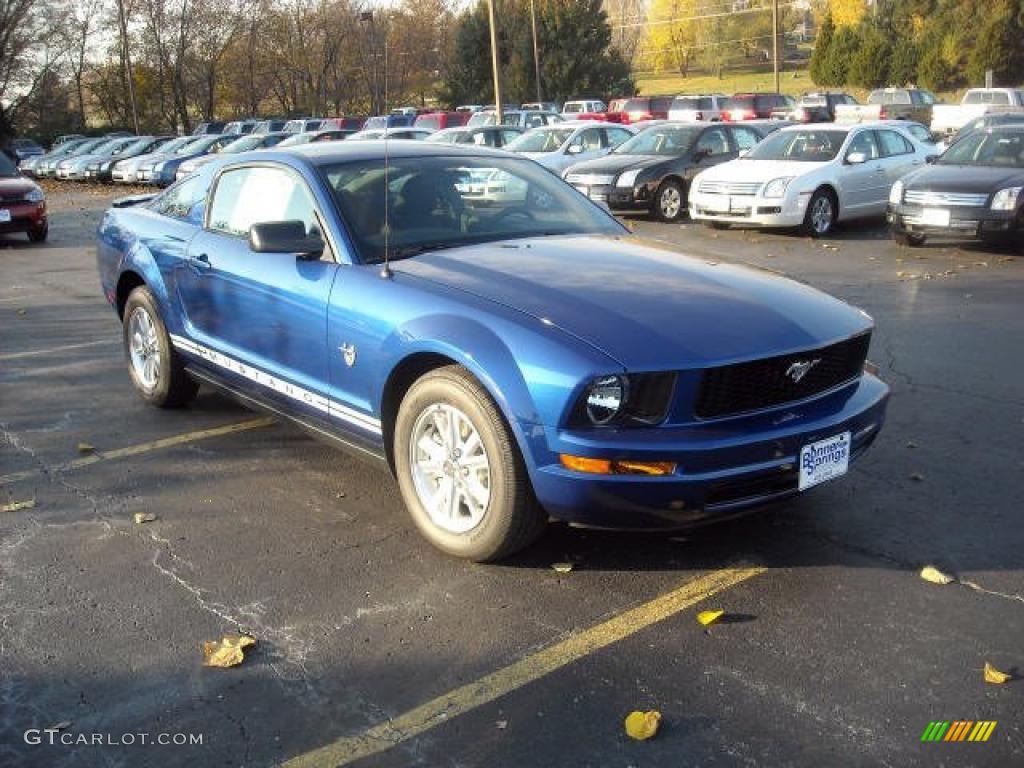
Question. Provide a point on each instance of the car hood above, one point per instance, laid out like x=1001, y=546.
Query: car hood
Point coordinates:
x=963, y=178
x=616, y=163
x=758, y=170
x=646, y=305
x=15, y=188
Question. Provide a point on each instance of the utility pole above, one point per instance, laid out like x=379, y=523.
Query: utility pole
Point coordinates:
x=129, y=80
x=536, y=55
x=498, y=116
x=775, y=41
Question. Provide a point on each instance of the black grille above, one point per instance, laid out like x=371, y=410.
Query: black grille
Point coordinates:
x=751, y=386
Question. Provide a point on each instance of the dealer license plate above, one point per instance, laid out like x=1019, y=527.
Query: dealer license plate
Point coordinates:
x=824, y=460
x=5, y=215
x=935, y=217
x=717, y=203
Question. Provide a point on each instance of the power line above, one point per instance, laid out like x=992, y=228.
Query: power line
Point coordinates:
x=702, y=17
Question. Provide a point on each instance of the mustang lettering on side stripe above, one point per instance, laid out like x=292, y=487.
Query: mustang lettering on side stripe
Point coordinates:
x=321, y=403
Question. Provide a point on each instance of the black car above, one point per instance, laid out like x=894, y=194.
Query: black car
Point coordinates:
x=974, y=190
x=990, y=120
x=652, y=171
x=102, y=169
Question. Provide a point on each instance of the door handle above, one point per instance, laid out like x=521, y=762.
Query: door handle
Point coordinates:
x=202, y=261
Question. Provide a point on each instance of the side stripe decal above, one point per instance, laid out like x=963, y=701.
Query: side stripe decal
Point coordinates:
x=282, y=387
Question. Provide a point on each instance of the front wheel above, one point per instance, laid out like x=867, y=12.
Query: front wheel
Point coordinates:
x=908, y=239
x=668, y=201
x=38, y=234
x=821, y=214
x=155, y=368
x=459, y=471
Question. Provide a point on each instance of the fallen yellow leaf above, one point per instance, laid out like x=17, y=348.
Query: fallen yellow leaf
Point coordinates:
x=562, y=567
x=86, y=448
x=994, y=676
x=709, y=617
x=642, y=725
x=143, y=517
x=18, y=506
x=226, y=652
x=935, y=576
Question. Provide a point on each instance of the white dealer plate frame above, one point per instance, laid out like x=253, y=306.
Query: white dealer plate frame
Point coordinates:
x=824, y=460
x=935, y=217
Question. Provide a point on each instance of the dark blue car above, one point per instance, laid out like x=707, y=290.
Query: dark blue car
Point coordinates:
x=163, y=171
x=502, y=344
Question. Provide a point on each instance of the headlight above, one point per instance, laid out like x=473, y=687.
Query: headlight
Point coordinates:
x=776, y=187
x=159, y=167
x=604, y=399
x=616, y=400
x=627, y=179
x=35, y=195
x=1006, y=199
x=896, y=193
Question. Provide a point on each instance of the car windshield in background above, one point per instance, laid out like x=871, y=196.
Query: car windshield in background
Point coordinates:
x=919, y=132
x=175, y=144
x=139, y=145
x=997, y=150
x=889, y=97
x=241, y=145
x=800, y=146
x=660, y=140
x=739, y=102
x=7, y=168
x=691, y=102
x=445, y=202
x=200, y=145
x=543, y=140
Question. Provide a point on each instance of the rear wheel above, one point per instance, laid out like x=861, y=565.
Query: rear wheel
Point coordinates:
x=38, y=234
x=908, y=239
x=156, y=370
x=669, y=203
x=821, y=214
x=459, y=470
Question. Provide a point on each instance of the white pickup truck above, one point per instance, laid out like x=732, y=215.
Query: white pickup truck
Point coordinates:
x=976, y=102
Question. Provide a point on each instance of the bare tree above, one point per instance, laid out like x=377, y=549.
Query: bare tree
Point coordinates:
x=80, y=20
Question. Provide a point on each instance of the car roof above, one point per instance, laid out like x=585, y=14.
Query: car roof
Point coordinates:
x=333, y=152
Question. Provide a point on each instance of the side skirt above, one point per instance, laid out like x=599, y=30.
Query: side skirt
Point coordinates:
x=367, y=452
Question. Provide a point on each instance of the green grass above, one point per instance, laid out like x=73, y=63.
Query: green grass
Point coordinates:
x=794, y=83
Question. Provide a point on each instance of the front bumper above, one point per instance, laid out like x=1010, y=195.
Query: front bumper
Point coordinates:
x=975, y=223
x=753, y=210
x=24, y=216
x=724, y=467
x=635, y=198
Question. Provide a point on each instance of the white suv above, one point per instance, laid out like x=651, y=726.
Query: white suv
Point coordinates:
x=699, y=108
x=573, y=108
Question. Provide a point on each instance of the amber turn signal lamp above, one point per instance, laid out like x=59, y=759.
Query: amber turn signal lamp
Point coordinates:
x=619, y=467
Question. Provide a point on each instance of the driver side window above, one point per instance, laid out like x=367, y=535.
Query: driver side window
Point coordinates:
x=248, y=196
x=713, y=142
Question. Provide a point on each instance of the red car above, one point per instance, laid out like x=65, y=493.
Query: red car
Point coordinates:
x=22, y=204
x=350, y=123
x=438, y=121
x=640, y=108
x=754, y=106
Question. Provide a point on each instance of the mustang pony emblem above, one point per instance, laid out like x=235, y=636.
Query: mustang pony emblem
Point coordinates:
x=800, y=369
x=348, y=352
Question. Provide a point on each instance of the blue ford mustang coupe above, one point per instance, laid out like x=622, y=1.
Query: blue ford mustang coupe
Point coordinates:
x=502, y=344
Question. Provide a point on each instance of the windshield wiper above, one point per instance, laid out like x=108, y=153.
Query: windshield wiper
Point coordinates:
x=415, y=250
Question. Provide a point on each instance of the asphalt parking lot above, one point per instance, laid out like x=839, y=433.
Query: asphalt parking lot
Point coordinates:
x=373, y=649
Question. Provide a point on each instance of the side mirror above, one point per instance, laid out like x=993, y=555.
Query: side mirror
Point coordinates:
x=286, y=237
x=931, y=159
x=744, y=152
x=701, y=154
x=575, y=149
x=856, y=158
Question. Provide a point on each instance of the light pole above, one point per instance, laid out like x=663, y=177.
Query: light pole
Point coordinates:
x=536, y=55
x=498, y=117
x=775, y=41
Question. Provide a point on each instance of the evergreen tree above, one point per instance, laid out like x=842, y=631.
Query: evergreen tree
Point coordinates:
x=999, y=47
x=822, y=50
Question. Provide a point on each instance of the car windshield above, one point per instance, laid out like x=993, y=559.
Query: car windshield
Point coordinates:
x=198, y=145
x=541, y=140
x=919, y=132
x=447, y=137
x=7, y=168
x=243, y=144
x=996, y=149
x=889, y=97
x=800, y=146
x=661, y=140
x=446, y=202
x=139, y=145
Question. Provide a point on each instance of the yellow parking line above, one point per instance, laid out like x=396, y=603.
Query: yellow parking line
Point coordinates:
x=445, y=708
x=135, y=450
x=52, y=350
